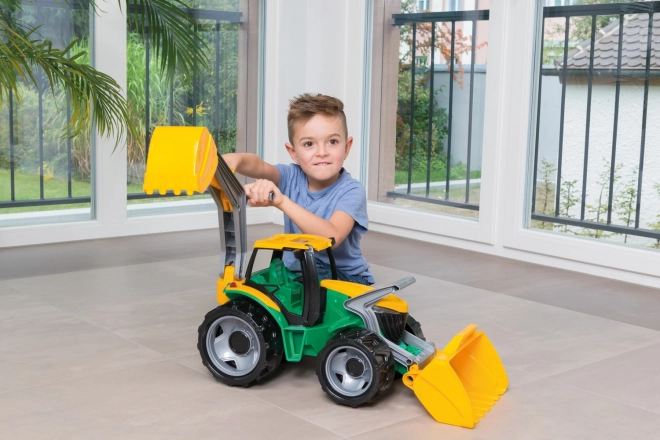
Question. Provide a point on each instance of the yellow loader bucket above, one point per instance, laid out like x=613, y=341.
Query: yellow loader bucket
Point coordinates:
x=462, y=382
x=180, y=159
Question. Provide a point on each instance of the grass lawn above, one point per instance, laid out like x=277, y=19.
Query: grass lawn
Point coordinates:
x=455, y=194
x=26, y=187
x=401, y=176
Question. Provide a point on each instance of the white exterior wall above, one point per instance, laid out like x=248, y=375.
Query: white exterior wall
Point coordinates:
x=600, y=145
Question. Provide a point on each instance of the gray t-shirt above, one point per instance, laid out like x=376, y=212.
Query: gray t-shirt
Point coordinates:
x=347, y=195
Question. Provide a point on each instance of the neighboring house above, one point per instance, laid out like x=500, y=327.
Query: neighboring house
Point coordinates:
x=629, y=127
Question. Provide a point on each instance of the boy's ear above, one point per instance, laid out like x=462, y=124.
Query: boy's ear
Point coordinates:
x=292, y=152
x=349, y=144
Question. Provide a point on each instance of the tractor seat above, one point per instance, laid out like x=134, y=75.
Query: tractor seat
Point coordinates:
x=277, y=274
x=289, y=291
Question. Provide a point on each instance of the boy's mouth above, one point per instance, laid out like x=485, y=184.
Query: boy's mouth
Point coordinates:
x=322, y=164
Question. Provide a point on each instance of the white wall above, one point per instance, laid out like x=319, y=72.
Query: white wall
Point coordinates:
x=313, y=46
x=600, y=143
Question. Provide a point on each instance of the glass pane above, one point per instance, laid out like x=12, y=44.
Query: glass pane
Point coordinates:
x=596, y=144
x=45, y=177
x=440, y=111
x=210, y=100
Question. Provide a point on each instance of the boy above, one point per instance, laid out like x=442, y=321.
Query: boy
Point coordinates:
x=315, y=193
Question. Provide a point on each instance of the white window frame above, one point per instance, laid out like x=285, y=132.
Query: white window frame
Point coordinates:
x=597, y=257
x=445, y=228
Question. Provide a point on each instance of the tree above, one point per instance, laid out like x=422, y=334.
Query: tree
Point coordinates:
x=569, y=198
x=656, y=226
x=626, y=201
x=601, y=208
x=95, y=98
x=545, y=192
x=423, y=97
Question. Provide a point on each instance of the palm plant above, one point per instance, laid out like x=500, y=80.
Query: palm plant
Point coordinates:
x=95, y=98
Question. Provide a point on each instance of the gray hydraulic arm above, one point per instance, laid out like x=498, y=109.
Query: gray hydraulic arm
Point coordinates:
x=233, y=230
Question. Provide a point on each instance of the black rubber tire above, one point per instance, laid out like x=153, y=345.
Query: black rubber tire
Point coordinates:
x=268, y=341
x=372, y=348
x=414, y=327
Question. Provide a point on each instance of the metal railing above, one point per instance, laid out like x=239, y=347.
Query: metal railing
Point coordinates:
x=42, y=87
x=593, y=11
x=200, y=15
x=433, y=18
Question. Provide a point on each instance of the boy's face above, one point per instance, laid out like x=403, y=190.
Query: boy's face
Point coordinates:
x=320, y=147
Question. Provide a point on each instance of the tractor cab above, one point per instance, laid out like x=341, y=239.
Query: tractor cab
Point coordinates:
x=298, y=293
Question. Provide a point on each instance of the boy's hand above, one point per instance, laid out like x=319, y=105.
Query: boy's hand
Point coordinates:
x=258, y=193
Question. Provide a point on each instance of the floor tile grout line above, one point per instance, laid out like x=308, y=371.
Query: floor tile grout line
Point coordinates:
x=112, y=266
x=388, y=425
x=606, y=397
x=391, y=424
x=165, y=262
x=604, y=359
x=155, y=295
x=291, y=413
x=587, y=364
x=359, y=433
x=86, y=376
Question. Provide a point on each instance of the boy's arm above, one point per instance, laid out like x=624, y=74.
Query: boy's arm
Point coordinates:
x=338, y=226
x=251, y=165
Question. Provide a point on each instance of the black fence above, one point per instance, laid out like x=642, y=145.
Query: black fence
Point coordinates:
x=433, y=18
x=564, y=72
x=44, y=10
x=206, y=22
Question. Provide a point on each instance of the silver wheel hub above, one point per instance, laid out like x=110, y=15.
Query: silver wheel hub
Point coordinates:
x=233, y=346
x=348, y=371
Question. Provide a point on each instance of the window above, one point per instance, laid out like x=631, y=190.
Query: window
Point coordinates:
x=210, y=100
x=432, y=161
x=595, y=144
x=454, y=5
x=44, y=177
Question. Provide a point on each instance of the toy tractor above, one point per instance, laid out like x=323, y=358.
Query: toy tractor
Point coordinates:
x=362, y=336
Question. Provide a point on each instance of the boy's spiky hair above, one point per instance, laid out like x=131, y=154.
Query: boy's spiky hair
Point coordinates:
x=304, y=107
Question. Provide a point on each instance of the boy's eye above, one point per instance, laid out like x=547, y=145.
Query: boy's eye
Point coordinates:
x=307, y=144
x=334, y=141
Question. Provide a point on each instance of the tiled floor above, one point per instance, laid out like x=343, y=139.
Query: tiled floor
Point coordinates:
x=98, y=341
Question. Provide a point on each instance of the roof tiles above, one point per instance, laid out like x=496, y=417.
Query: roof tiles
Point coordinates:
x=633, y=51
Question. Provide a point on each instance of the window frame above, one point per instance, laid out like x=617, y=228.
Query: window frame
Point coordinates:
x=502, y=228
x=384, y=83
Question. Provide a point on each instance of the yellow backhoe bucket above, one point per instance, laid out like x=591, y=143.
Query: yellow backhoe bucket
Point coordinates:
x=462, y=382
x=180, y=159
